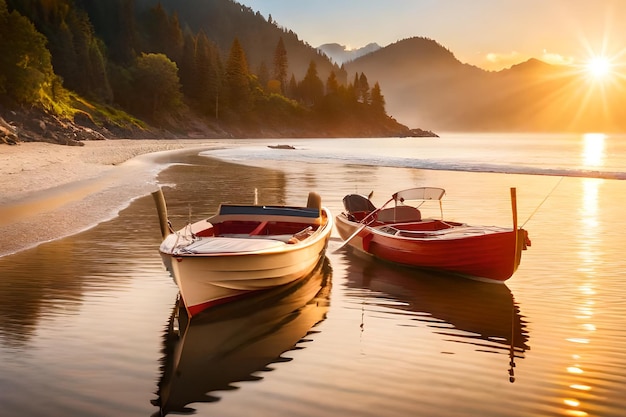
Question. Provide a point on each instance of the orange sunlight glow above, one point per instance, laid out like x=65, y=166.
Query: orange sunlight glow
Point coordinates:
x=599, y=99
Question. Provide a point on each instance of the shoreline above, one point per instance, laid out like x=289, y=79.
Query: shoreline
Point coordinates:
x=32, y=167
x=72, y=188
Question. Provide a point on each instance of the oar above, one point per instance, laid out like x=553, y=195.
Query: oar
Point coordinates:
x=352, y=236
x=362, y=226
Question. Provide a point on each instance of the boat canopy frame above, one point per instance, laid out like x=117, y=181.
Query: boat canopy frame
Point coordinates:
x=421, y=194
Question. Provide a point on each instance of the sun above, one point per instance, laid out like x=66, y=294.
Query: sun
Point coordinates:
x=599, y=67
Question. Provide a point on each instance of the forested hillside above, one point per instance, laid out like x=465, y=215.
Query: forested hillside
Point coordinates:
x=205, y=68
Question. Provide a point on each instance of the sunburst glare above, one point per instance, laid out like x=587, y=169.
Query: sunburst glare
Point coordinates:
x=599, y=67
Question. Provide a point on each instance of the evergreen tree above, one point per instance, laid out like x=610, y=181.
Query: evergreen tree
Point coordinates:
x=311, y=88
x=237, y=80
x=332, y=105
x=332, y=86
x=377, y=101
x=292, y=90
x=363, y=89
x=263, y=75
x=114, y=23
x=164, y=34
x=187, y=68
x=281, y=65
x=208, y=76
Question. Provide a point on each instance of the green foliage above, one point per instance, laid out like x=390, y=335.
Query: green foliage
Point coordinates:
x=78, y=56
x=156, y=86
x=162, y=33
x=377, y=101
x=281, y=65
x=276, y=109
x=237, y=80
x=201, y=74
x=26, y=73
x=311, y=89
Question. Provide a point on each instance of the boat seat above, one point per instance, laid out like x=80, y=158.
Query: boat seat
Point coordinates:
x=399, y=214
x=314, y=201
x=355, y=203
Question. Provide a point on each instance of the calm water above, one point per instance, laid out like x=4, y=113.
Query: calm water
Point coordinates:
x=86, y=323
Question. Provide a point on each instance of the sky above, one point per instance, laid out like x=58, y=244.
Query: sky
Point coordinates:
x=491, y=34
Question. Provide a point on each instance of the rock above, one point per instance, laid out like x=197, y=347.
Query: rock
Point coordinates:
x=281, y=146
x=420, y=133
x=8, y=133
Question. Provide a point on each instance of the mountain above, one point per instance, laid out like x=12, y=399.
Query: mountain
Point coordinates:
x=426, y=85
x=340, y=54
x=224, y=20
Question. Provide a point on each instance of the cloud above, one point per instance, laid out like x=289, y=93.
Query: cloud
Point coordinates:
x=556, y=59
x=498, y=61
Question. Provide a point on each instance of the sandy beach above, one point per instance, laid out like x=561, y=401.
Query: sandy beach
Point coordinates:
x=43, y=182
x=31, y=167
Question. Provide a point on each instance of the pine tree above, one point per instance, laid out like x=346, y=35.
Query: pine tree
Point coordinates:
x=187, y=68
x=237, y=80
x=332, y=85
x=311, y=88
x=208, y=76
x=281, y=65
x=263, y=75
x=363, y=89
x=377, y=101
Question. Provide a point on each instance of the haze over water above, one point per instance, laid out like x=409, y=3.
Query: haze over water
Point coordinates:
x=86, y=319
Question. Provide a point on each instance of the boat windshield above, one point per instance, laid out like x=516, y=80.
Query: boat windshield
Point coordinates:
x=419, y=193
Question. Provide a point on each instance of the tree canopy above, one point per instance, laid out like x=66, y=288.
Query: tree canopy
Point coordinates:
x=25, y=63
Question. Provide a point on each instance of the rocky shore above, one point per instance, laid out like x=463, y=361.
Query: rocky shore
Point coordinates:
x=34, y=125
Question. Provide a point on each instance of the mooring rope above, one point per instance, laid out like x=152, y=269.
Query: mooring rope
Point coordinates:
x=544, y=200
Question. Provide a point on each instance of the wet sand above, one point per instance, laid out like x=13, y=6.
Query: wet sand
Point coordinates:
x=54, y=185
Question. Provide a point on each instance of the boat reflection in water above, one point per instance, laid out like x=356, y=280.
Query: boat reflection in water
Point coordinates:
x=461, y=310
x=231, y=342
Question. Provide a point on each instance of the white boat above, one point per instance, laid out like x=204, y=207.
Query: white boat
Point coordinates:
x=242, y=249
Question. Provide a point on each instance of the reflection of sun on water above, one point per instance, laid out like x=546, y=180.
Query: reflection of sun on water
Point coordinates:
x=593, y=149
x=578, y=390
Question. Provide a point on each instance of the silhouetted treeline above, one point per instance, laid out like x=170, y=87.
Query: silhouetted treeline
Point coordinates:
x=160, y=59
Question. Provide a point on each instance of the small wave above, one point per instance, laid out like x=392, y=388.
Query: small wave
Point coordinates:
x=258, y=155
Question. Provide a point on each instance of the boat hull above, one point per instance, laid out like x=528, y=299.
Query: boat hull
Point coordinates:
x=210, y=279
x=238, y=341
x=492, y=256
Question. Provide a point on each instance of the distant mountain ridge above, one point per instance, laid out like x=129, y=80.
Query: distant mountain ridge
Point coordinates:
x=340, y=54
x=426, y=85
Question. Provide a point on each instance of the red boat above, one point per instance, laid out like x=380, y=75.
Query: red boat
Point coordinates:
x=400, y=235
